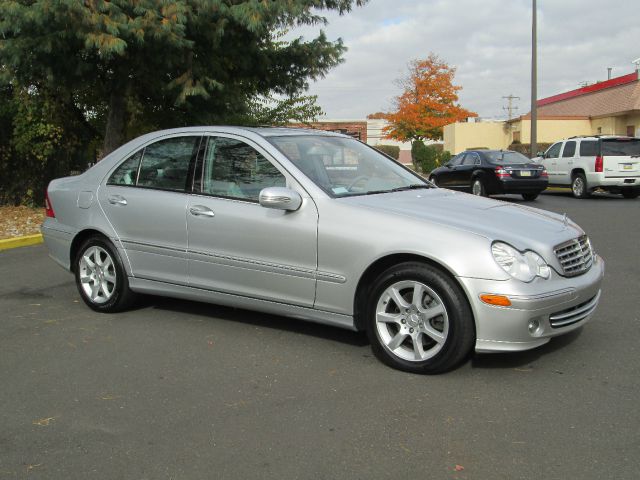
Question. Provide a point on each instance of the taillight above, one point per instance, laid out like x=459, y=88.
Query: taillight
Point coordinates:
x=501, y=172
x=544, y=173
x=47, y=205
x=599, y=164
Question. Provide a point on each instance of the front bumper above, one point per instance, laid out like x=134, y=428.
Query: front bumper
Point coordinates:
x=557, y=306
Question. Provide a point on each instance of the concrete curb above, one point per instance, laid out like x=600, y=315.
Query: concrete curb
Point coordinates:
x=16, y=242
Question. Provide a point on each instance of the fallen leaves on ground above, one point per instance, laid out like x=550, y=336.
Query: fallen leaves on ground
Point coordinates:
x=20, y=221
x=43, y=422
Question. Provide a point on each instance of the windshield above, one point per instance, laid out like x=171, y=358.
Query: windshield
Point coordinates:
x=506, y=158
x=345, y=167
x=622, y=147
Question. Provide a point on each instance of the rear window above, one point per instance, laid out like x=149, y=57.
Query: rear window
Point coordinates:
x=588, y=148
x=506, y=158
x=621, y=147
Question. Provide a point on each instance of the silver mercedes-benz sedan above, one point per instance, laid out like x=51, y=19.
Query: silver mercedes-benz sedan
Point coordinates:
x=319, y=226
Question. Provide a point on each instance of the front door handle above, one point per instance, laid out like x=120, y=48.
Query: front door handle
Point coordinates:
x=201, y=211
x=117, y=200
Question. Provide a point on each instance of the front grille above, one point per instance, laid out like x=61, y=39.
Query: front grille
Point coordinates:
x=574, y=314
x=575, y=256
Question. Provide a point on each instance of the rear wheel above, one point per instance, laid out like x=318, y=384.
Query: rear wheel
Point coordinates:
x=419, y=320
x=579, y=186
x=100, y=276
x=530, y=196
x=630, y=193
x=478, y=188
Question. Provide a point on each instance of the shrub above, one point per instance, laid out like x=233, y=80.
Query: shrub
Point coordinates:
x=391, y=150
x=525, y=148
x=424, y=157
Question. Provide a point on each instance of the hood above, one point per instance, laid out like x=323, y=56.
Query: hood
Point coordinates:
x=521, y=226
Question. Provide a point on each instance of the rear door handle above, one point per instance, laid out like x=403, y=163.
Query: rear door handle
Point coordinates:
x=117, y=200
x=201, y=211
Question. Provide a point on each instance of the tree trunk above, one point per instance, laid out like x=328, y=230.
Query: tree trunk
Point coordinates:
x=113, y=135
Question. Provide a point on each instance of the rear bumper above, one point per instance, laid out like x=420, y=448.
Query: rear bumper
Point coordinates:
x=600, y=180
x=58, y=241
x=554, y=307
x=516, y=185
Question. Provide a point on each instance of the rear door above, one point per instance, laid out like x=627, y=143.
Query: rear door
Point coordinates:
x=145, y=200
x=621, y=158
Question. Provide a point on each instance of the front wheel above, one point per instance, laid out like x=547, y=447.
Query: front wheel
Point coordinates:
x=478, y=188
x=101, y=278
x=419, y=320
x=530, y=196
x=579, y=186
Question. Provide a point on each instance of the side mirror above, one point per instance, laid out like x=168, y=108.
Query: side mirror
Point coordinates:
x=280, y=198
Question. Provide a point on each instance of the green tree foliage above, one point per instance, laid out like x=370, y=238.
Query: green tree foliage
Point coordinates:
x=426, y=158
x=391, y=150
x=110, y=70
x=185, y=61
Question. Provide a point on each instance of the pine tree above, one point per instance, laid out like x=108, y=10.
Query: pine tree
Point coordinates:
x=124, y=66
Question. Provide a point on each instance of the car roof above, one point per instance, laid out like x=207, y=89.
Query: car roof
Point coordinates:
x=490, y=151
x=261, y=131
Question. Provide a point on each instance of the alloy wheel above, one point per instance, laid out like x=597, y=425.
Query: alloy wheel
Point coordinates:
x=97, y=274
x=411, y=321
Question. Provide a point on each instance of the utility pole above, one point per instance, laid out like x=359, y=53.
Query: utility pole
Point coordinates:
x=534, y=82
x=510, y=108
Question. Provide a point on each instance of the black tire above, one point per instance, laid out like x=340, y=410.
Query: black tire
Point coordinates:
x=458, y=338
x=478, y=187
x=530, y=196
x=630, y=193
x=117, y=296
x=579, y=186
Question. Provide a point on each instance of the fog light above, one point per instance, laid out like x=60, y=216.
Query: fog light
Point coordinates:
x=534, y=326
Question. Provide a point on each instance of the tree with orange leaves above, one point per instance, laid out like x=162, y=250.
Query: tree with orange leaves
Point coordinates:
x=428, y=103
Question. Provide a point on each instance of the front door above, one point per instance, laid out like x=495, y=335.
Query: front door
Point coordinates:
x=565, y=163
x=240, y=247
x=550, y=162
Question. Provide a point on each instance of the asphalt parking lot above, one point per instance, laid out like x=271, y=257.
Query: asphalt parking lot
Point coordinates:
x=183, y=390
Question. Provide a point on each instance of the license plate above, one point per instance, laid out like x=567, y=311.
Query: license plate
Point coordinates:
x=525, y=173
x=627, y=166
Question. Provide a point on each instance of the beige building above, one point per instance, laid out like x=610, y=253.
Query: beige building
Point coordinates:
x=605, y=108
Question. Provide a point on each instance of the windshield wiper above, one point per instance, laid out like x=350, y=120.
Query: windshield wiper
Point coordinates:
x=413, y=186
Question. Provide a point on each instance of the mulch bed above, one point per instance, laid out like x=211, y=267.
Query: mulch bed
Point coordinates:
x=20, y=221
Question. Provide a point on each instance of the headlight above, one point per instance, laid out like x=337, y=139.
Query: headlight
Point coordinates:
x=523, y=266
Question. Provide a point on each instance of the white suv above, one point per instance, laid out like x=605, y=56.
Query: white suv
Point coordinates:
x=610, y=163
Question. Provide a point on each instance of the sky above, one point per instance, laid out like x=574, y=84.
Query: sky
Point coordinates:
x=489, y=43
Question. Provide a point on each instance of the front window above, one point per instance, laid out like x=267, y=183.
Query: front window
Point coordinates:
x=554, y=150
x=234, y=169
x=344, y=166
x=506, y=158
